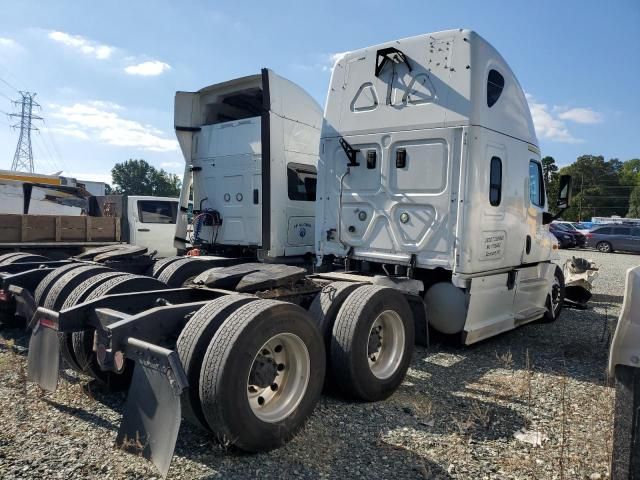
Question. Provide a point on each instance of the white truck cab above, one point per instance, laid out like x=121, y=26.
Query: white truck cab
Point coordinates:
x=251, y=151
x=429, y=161
x=152, y=223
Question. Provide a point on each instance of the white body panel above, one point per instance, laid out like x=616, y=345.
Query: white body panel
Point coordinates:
x=625, y=347
x=152, y=223
x=239, y=166
x=435, y=124
x=41, y=202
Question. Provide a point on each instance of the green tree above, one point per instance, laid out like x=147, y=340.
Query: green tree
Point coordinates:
x=551, y=180
x=596, y=188
x=137, y=177
x=634, y=203
x=630, y=172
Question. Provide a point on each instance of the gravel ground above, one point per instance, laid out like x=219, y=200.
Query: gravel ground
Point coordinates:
x=454, y=417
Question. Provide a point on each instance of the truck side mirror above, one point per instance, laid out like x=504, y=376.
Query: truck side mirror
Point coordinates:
x=564, y=193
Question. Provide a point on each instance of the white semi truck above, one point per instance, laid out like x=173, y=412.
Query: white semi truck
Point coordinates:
x=429, y=209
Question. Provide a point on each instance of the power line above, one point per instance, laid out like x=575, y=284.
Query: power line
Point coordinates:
x=8, y=84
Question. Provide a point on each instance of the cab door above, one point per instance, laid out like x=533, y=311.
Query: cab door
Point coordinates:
x=533, y=248
x=152, y=224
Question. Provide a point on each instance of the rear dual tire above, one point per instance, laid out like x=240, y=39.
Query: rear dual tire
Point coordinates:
x=372, y=343
x=262, y=375
x=82, y=342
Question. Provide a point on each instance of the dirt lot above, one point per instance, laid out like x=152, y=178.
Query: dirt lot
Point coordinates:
x=454, y=417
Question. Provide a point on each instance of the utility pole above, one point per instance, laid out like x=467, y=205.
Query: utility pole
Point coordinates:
x=23, y=158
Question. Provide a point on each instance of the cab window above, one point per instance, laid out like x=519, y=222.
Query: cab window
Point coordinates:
x=495, y=181
x=301, y=182
x=536, y=185
x=157, y=211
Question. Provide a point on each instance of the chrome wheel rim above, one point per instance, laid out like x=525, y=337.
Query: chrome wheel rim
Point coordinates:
x=278, y=377
x=604, y=247
x=555, y=295
x=385, y=345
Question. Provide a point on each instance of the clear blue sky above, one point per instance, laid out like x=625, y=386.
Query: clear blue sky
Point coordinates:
x=106, y=72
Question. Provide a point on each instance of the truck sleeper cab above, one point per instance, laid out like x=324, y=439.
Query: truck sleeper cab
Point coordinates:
x=429, y=165
x=251, y=151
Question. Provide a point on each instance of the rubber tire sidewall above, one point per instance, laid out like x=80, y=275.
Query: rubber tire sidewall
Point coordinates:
x=349, y=359
x=549, y=316
x=192, y=346
x=223, y=388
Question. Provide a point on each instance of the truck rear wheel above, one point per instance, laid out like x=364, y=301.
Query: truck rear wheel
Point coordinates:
x=373, y=338
x=262, y=375
x=192, y=345
x=10, y=258
x=178, y=273
x=6, y=256
x=161, y=264
x=62, y=287
x=47, y=282
x=83, y=341
x=324, y=309
x=74, y=298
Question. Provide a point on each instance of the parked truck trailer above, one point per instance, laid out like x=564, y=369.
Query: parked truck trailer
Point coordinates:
x=430, y=209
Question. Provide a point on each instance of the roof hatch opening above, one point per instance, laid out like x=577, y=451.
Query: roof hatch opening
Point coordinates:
x=237, y=105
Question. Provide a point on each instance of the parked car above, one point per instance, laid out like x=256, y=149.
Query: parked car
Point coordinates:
x=565, y=238
x=614, y=237
x=582, y=227
x=567, y=235
x=574, y=227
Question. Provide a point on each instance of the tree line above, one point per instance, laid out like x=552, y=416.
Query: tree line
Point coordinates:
x=137, y=177
x=601, y=188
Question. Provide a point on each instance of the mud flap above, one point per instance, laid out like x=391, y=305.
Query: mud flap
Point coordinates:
x=153, y=412
x=43, y=362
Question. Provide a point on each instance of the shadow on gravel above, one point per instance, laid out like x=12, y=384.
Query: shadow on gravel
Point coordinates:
x=82, y=414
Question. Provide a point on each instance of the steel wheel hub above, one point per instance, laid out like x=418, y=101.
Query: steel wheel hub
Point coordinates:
x=385, y=347
x=278, y=377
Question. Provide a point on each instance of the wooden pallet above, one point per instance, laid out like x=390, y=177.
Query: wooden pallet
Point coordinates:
x=58, y=228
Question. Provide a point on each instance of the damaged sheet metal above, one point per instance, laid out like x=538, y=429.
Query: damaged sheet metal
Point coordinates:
x=579, y=274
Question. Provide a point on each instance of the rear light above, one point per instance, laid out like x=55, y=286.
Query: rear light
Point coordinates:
x=4, y=295
x=588, y=235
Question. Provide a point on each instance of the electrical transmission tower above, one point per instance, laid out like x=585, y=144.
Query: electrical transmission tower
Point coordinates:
x=23, y=158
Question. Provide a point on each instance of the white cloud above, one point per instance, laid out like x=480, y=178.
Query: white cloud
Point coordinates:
x=148, y=69
x=103, y=123
x=324, y=62
x=82, y=44
x=547, y=125
x=69, y=131
x=8, y=42
x=581, y=115
x=179, y=166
